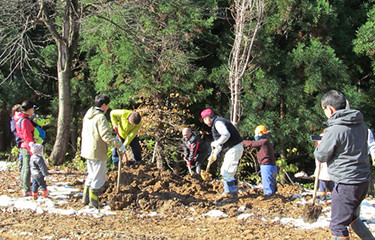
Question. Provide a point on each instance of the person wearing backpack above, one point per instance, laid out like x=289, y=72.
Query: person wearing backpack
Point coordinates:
x=25, y=130
x=17, y=139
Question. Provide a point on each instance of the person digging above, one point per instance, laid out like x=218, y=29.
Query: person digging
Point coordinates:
x=127, y=124
x=227, y=140
x=196, y=150
x=266, y=159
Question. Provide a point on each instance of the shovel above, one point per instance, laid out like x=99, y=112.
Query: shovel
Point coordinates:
x=189, y=167
x=119, y=171
x=206, y=175
x=119, y=165
x=311, y=212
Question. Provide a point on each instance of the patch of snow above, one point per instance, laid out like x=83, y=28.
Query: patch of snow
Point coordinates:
x=215, y=213
x=59, y=193
x=5, y=201
x=5, y=165
x=241, y=209
x=244, y=216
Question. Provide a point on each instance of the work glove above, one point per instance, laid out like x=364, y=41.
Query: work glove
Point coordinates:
x=215, y=152
x=215, y=144
x=188, y=163
x=122, y=148
x=116, y=129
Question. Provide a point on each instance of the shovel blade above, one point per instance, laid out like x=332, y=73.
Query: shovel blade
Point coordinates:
x=206, y=176
x=311, y=213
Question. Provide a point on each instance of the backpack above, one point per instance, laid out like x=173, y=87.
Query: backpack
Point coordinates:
x=17, y=139
x=42, y=133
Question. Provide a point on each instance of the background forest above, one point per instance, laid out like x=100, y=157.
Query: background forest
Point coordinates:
x=169, y=60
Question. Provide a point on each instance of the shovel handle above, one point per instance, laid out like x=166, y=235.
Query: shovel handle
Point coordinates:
x=188, y=166
x=119, y=171
x=210, y=160
x=316, y=183
x=119, y=163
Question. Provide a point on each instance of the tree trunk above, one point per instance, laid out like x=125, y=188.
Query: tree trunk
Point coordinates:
x=158, y=102
x=66, y=43
x=282, y=151
x=5, y=137
x=63, y=120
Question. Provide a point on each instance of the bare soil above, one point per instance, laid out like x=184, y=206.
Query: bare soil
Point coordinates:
x=179, y=202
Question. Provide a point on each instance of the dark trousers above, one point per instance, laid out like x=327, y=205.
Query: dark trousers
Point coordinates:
x=136, y=149
x=345, y=206
x=39, y=182
x=325, y=185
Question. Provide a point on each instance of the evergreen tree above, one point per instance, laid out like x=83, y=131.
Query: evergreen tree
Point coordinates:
x=296, y=63
x=142, y=54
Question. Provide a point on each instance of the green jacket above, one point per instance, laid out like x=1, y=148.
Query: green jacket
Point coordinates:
x=96, y=136
x=127, y=131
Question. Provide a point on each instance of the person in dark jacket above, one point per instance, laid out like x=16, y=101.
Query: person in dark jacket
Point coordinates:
x=17, y=139
x=344, y=148
x=227, y=139
x=196, y=150
x=39, y=170
x=266, y=159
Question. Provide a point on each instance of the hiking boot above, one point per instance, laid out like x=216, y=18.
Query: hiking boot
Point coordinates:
x=230, y=191
x=222, y=196
x=94, y=198
x=35, y=195
x=45, y=194
x=340, y=238
x=85, y=197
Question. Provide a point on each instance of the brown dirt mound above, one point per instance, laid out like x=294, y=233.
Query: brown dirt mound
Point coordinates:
x=178, y=201
x=143, y=187
x=146, y=188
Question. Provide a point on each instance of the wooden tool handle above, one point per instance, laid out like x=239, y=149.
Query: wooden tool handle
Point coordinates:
x=316, y=184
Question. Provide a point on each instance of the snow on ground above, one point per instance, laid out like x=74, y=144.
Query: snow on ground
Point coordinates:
x=61, y=192
x=5, y=165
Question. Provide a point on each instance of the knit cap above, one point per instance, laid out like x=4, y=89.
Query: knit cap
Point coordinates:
x=36, y=149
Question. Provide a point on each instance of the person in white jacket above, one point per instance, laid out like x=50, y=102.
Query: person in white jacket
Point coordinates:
x=96, y=136
x=325, y=181
x=371, y=146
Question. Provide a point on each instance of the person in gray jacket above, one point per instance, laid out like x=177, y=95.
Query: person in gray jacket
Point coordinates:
x=38, y=170
x=344, y=148
x=96, y=137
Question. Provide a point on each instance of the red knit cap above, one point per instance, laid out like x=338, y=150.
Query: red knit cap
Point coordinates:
x=206, y=112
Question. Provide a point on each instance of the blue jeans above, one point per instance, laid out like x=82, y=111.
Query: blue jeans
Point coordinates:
x=39, y=182
x=269, y=173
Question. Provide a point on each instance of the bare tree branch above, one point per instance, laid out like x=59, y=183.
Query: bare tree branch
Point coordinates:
x=248, y=15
